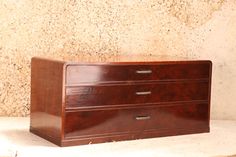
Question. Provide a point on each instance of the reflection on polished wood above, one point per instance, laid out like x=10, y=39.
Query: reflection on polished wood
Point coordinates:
x=120, y=98
x=101, y=95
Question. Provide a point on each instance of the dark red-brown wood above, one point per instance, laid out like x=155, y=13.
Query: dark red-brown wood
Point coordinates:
x=81, y=103
x=132, y=120
x=46, y=99
x=77, y=74
x=101, y=95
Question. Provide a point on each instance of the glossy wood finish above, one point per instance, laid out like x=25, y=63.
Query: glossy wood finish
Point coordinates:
x=101, y=95
x=131, y=120
x=46, y=99
x=77, y=74
x=74, y=103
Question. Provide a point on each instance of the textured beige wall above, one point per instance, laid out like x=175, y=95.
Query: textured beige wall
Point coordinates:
x=199, y=29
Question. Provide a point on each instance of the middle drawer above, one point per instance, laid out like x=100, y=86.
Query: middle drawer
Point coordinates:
x=111, y=95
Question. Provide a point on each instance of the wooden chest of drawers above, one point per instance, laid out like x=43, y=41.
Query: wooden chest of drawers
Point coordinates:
x=82, y=103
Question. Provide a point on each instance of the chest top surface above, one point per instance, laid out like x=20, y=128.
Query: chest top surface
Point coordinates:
x=125, y=59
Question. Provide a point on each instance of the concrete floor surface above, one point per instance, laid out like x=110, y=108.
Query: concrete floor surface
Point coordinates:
x=15, y=139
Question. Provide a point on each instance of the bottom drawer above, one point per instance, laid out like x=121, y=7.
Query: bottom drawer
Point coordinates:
x=97, y=123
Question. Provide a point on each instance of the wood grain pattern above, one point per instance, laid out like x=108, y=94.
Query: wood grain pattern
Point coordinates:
x=82, y=103
x=126, y=121
x=90, y=73
x=46, y=98
x=101, y=95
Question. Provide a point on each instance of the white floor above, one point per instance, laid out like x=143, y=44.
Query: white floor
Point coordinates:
x=16, y=139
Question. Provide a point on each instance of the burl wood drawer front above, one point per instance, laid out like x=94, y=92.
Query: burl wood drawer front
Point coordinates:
x=127, y=121
x=103, y=95
x=77, y=74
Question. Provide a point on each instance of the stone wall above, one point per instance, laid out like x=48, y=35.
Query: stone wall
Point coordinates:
x=197, y=29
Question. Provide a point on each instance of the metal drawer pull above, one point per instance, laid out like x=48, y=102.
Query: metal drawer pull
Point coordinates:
x=143, y=71
x=144, y=93
x=142, y=117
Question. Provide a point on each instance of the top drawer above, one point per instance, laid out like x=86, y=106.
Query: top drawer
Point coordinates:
x=95, y=73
